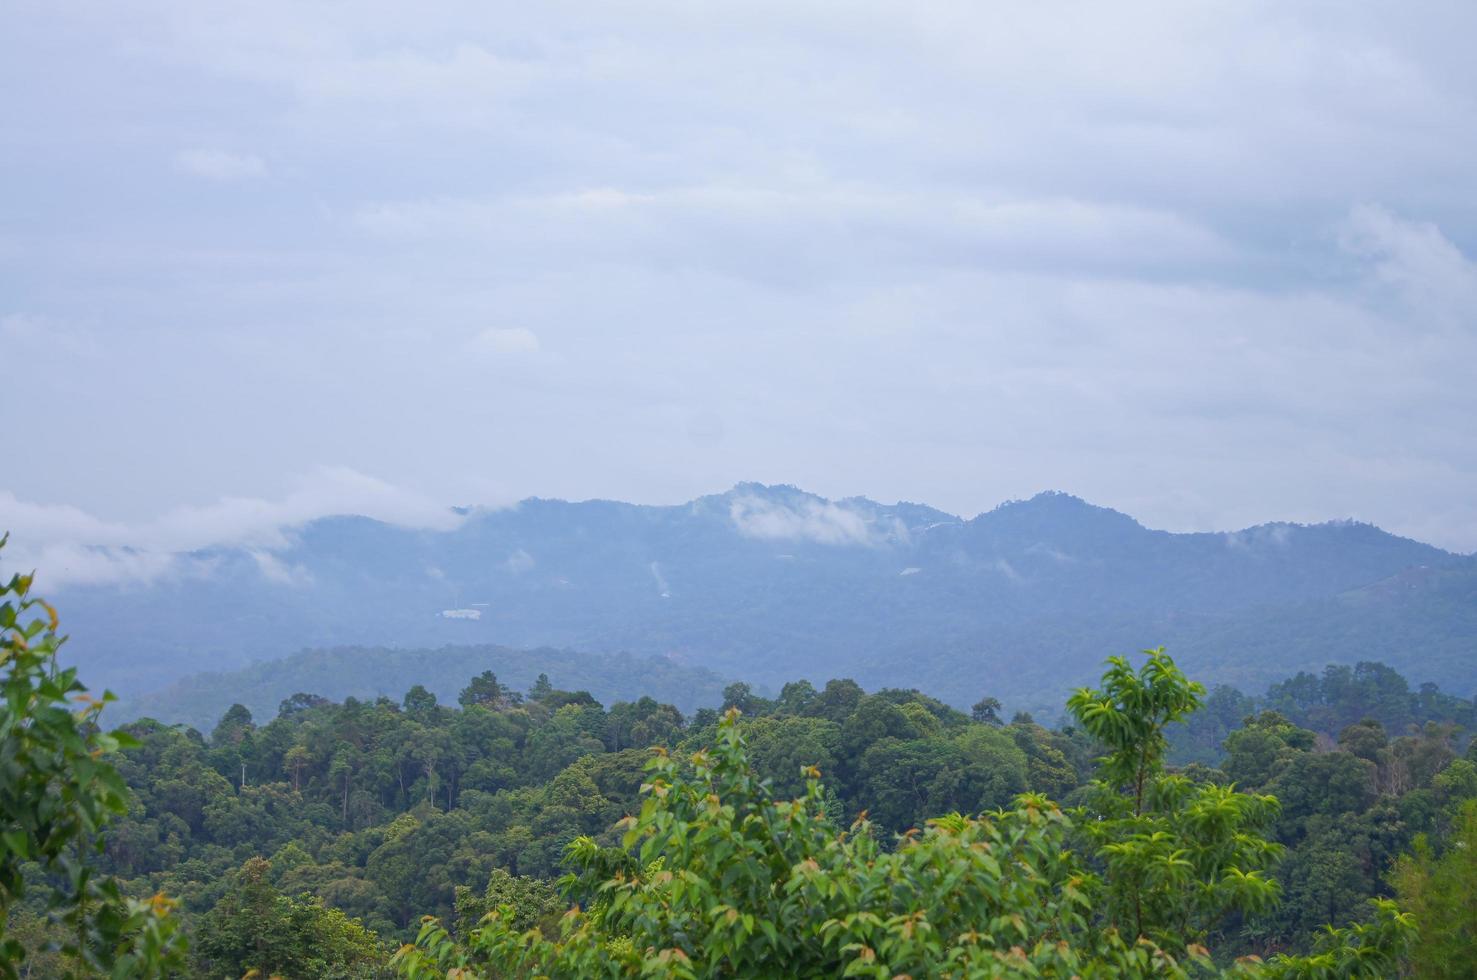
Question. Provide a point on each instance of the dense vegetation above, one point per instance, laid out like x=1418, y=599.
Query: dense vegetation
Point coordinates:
x=366, y=673
x=389, y=810
x=730, y=843
x=58, y=794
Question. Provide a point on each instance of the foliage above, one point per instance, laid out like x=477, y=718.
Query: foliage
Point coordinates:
x=1179, y=856
x=724, y=880
x=717, y=877
x=1346, y=695
x=58, y=791
x=391, y=809
x=532, y=902
x=1373, y=950
x=367, y=672
x=254, y=928
x=1440, y=891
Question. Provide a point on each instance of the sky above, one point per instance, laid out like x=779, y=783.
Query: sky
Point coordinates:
x=1211, y=264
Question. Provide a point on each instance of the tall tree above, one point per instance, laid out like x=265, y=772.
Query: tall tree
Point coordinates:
x=1440, y=891
x=58, y=793
x=1179, y=856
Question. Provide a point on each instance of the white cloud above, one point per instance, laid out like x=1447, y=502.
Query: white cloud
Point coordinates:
x=1054, y=553
x=220, y=165
x=935, y=251
x=662, y=588
x=1277, y=536
x=505, y=340
x=69, y=546
x=274, y=569
x=1416, y=259
x=328, y=490
x=806, y=519
x=59, y=563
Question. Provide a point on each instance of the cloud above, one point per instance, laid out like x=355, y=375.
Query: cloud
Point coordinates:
x=1277, y=536
x=328, y=490
x=220, y=165
x=663, y=590
x=62, y=563
x=505, y=340
x=518, y=562
x=806, y=519
x=1052, y=552
x=69, y=546
x=823, y=229
x=274, y=569
x=922, y=251
x=1413, y=257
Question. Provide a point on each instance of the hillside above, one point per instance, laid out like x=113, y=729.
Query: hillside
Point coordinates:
x=369, y=673
x=771, y=583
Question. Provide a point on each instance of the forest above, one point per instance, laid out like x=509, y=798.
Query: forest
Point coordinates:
x=1160, y=830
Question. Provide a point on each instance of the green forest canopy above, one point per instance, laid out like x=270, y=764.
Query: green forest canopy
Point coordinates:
x=315, y=842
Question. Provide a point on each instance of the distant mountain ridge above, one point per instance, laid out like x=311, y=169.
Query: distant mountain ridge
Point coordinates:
x=769, y=583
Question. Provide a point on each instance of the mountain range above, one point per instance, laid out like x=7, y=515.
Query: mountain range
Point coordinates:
x=770, y=584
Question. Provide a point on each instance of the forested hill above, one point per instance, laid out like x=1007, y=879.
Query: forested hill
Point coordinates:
x=770, y=583
x=368, y=673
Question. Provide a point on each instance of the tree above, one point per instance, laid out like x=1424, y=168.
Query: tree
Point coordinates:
x=234, y=724
x=716, y=877
x=419, y=701
x=1440, y=891
x=795, y=697
x=541, y=689
x=297, y=759
x=739, y=695
x=58, y=793
x=482, y=690
x=986, y=711
x=534, y=903
x=1179, y=856
x=1263, y=747
x=782, y=748
x=720, y=879
x=1373, y=950
x=254, y=927
x=301, y=701
x=836, y=701
x=641, y=723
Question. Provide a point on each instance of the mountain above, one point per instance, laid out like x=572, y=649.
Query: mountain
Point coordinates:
x=769, y=583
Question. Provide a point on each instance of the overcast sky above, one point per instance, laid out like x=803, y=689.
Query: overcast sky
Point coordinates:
x=1211, y=264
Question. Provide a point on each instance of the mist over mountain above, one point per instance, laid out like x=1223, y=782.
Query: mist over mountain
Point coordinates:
x=770, y=583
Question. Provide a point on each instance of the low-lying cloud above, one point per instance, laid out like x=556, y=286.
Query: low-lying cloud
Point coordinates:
x=68, y=546
x=807, y=519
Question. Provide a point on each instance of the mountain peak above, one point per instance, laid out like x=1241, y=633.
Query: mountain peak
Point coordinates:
x=1058, y=504
x=753, y=488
